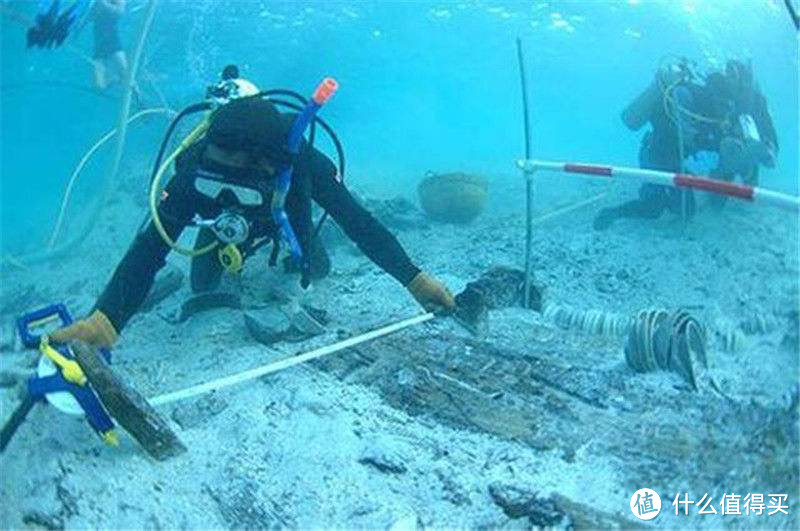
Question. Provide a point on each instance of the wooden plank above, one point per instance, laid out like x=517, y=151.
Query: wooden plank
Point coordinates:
x=127, y=406
x=586, y=517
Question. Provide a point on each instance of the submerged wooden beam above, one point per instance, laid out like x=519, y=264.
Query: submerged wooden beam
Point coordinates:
x=127, y=406
x=585, y=517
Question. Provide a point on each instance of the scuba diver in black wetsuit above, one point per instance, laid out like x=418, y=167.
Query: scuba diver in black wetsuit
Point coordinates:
x=726, y=114
x=225, y=182
x=754, y=142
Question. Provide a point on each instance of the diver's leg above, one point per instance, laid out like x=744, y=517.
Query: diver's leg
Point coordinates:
x=605, y=218
x=730, y=157
x=100, y=74
x=653, y=200
x=320, y=261
x=673, y=201
x=120, y=61
x=717, y=201
x=691, y=204
x=206, y=271
x=117, y=67
x=637, y=208
x=650, y=205
x=121, y=66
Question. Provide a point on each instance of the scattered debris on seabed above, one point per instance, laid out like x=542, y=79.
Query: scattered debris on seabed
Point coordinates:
x=552, y=416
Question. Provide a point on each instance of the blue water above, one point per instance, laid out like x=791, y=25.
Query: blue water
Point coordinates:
x=424, y=85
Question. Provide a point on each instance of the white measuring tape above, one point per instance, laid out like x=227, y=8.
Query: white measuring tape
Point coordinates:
x=285, y=363
x=279, y=365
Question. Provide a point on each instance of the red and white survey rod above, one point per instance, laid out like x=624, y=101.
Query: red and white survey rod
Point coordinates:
x=677, y=180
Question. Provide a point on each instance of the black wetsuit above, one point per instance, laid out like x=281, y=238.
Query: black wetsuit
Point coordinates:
x=754, y=103
x=661, y=151
x=314, y=174
x=106, y=33
x=756, y=106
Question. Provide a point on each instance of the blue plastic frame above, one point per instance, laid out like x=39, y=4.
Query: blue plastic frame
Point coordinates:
x=38, y=387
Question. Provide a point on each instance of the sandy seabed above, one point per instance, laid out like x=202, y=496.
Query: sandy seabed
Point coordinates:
x=529, y=424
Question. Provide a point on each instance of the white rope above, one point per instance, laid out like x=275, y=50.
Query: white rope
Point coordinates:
x=285, y=363
x=568, y=208
x=84, y=160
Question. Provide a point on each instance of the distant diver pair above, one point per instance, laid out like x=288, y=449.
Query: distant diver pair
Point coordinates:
x=246, y=176
x=723, y=113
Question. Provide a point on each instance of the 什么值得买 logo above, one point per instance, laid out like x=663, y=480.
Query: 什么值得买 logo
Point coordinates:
x=645, y=504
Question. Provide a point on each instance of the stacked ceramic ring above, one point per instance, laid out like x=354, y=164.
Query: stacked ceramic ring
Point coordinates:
x=660, y=340
x=595, y=322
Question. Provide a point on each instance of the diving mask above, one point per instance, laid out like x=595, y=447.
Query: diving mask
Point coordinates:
x=215, y=187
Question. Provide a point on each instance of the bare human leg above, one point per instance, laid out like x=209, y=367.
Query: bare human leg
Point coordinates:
x=100, y=74
x=121, y=63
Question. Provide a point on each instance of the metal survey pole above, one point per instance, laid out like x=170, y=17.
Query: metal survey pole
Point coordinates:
x=129, y=87
x=528, y=173
x=676, y=112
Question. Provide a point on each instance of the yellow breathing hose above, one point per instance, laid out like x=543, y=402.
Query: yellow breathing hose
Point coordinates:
x=669, y=101
x=196, y=133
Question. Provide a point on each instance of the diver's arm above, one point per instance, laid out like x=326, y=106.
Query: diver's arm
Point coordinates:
x=134, y=275
x=361, y=227
x=116, y=7
x=764, y=123
x=640, y=110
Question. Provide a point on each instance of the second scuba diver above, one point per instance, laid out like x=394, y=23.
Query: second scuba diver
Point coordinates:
x=727, y=115
x=109, y=58
x=226, y=181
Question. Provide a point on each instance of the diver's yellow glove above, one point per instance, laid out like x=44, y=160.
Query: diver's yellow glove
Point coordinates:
x=96, y=330
x=431, y=293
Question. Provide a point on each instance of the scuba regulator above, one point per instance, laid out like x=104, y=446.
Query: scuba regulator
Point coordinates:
x=231, y=229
